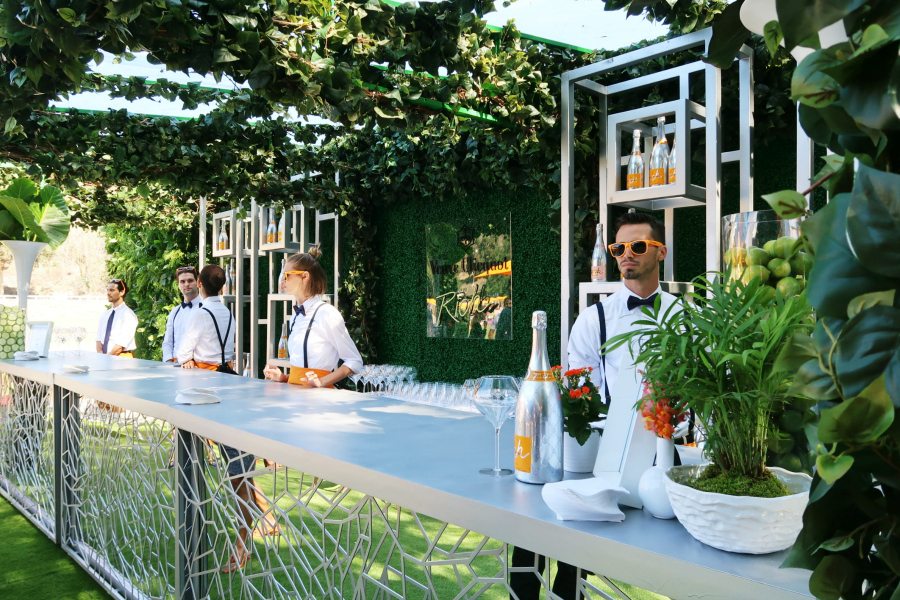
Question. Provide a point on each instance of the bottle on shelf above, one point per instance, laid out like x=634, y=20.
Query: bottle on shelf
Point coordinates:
x=598, y=257
x=228, y=288
x=281, y=224
x=659, y=158
x=635, y=177
x=271, y=230
x=283, y=342
x=223, y=237
x=673, y=161
x=539, y=419
x=246, y=371
x=281, y=277
x=231, y=276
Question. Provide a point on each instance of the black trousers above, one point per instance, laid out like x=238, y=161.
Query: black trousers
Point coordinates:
x=527, y=586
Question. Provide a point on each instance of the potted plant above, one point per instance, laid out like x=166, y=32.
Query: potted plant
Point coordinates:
x=30, y=218
x=582, y=405
x=715, y=351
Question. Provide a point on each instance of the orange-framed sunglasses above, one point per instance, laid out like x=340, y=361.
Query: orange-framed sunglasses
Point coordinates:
x=637, y=247
x=294, y=272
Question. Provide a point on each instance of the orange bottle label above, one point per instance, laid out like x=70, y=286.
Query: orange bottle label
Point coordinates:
x=657, y=177
x=523, y=454
x=634, y=181
x=671, y=175
x=539, y=376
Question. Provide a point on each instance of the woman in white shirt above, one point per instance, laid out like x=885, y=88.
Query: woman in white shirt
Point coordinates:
x=318, y=341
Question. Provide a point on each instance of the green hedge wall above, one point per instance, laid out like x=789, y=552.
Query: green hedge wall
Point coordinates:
x=400, y=332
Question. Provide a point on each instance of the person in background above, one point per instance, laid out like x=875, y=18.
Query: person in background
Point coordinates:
x=208, y=343
x=639, y=249
x=318, y=343
x=175, y=326
x=115, y=332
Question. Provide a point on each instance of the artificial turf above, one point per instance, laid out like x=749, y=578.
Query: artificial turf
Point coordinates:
x=32, y=567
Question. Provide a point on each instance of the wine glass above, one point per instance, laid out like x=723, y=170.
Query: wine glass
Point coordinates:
x=80, y=334
x=495, y=397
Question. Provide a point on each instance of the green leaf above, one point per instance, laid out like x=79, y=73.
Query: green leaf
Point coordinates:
x=52, y=215
x=867, y=345
x=838, y=543
x=810, y=85
x=861, y=303
x=873, y=220
x=10, y=229
x=772, y=36
x=831, y=468
x=800, y=20
x=831, y=577
x=9, y=125
x=837, y=276
x=21, y=212
x=788, y=204
x=21, y=188
x=860, y=420
x=797, y=350
x=727, y=37
x=68, y=15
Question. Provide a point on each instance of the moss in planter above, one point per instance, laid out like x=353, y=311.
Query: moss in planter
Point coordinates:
x=712, y=479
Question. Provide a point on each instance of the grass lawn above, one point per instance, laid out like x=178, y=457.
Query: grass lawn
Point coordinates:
x=34, y=568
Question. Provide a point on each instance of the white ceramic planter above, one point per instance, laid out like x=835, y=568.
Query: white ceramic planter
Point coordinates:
x=740, y=523
x=580, y=459
x=24, y=254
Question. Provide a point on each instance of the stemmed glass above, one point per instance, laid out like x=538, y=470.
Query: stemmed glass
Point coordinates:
x=495, y=397
x=80, y=334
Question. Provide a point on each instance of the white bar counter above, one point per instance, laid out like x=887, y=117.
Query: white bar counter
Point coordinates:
x=426, y=459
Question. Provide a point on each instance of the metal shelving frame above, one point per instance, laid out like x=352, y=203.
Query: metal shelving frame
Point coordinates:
x=690, y=117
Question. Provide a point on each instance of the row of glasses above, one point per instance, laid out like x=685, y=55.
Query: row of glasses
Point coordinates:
x=379, y=377
x=445, y=395
x=66, y=335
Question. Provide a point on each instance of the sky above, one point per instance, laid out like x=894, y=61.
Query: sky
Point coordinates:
x=581, y=23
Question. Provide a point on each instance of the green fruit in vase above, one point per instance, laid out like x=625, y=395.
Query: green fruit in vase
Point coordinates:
x=758, y=256
x=801, y=263
x=770, y=247
x=755, y=272
x=789, y=286
x=785, y=246
x=779, y=267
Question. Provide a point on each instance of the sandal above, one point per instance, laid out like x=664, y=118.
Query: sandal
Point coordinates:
x=238, y=560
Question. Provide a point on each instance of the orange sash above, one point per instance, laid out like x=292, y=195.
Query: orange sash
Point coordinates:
x=126, y=355
x=206, y=366
x=298, y=375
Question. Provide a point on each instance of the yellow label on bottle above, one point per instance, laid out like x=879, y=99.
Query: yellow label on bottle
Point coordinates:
x=657, y=177
x=634, y=181
x=671, y=175
x=523, y=454
x=539, y=376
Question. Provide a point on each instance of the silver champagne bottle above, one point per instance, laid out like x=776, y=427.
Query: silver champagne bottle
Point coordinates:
x=539, y=420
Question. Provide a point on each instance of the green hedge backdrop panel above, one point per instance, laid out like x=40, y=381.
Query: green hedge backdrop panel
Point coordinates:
x=401, y=331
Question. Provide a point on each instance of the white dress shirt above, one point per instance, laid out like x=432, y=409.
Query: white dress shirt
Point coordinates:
x=200, y=342
x=123, y=327
x=176, y=325
x=584, y=340
x=329, y=340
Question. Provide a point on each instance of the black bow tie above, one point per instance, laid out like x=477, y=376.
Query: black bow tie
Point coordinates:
x=186, y=305
x=634, y=301
x=299, y=310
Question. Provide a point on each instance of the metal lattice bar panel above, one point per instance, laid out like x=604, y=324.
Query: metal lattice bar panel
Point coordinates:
x=26, y=449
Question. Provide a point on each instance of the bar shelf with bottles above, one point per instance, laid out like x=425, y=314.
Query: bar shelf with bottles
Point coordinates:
x=282, y=230
x=649, y=188
x=223, y=233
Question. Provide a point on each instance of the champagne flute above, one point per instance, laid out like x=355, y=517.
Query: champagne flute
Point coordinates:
x=495, y=397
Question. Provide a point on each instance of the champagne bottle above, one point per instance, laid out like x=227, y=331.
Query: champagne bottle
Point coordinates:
x=281, y=223
x=230, y=276
x=539, y=419
x=659, y=158
x=223, y=237
x=281, y=277
x=672, y=162
x=246, y=371
x=283, y=342
x=598, y=257
x=229, y=282
x=635, y=177
x=271, y=230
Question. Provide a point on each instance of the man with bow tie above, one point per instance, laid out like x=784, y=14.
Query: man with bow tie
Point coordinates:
x=638, y=250
x=177, y=322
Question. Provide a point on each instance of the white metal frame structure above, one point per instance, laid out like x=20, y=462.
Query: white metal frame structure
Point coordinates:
x=690, y=116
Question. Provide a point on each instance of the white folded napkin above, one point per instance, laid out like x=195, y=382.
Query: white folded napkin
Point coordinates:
x=584, y=500
x=197, y=396
x=81, y=369
x=26, y=355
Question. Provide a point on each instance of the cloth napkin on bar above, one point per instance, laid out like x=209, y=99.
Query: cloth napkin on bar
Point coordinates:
x=197, y=396
x=584, y=500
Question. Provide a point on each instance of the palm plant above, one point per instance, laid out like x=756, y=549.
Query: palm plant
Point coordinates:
x=715, y=351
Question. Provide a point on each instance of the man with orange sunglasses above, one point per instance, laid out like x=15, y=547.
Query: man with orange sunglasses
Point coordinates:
x=639, y=249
